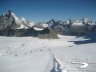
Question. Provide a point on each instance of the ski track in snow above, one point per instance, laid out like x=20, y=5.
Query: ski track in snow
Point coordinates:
x=58, y=66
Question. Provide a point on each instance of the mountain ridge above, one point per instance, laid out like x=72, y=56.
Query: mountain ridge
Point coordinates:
x=11, y=24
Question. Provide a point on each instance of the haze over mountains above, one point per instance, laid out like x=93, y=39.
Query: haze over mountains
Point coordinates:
x=11, y=25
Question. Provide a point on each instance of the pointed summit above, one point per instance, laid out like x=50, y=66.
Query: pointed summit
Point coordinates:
x=10, y=19
x=85, y=20
x=8, y=14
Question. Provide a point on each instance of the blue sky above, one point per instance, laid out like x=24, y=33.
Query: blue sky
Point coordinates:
x=44, y=10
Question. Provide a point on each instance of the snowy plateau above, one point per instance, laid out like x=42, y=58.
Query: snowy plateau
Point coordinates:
x=30, y=54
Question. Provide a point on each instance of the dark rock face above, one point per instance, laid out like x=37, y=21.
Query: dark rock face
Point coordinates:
x=8, y=15
x=7, y=31
x=32, y=32
x=7, y=20
x=23, y=32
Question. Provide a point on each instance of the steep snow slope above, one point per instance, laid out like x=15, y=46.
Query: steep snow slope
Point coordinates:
x=15, y=17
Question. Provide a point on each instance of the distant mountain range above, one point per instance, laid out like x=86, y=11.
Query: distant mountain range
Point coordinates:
x=11, y=25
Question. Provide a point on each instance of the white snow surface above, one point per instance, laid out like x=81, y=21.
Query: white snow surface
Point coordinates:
x=29, y=54
x=22, y=27
x=45, y=25
x=84, y=65
x=15, y=17
x=38, y=29
x=77, y=23
x=24, y=24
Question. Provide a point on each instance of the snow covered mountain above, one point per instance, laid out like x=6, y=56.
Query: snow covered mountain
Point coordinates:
x=72, y=27
x=10, y=19
x=56, y=25
x=54, y=22
x=11, y=25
